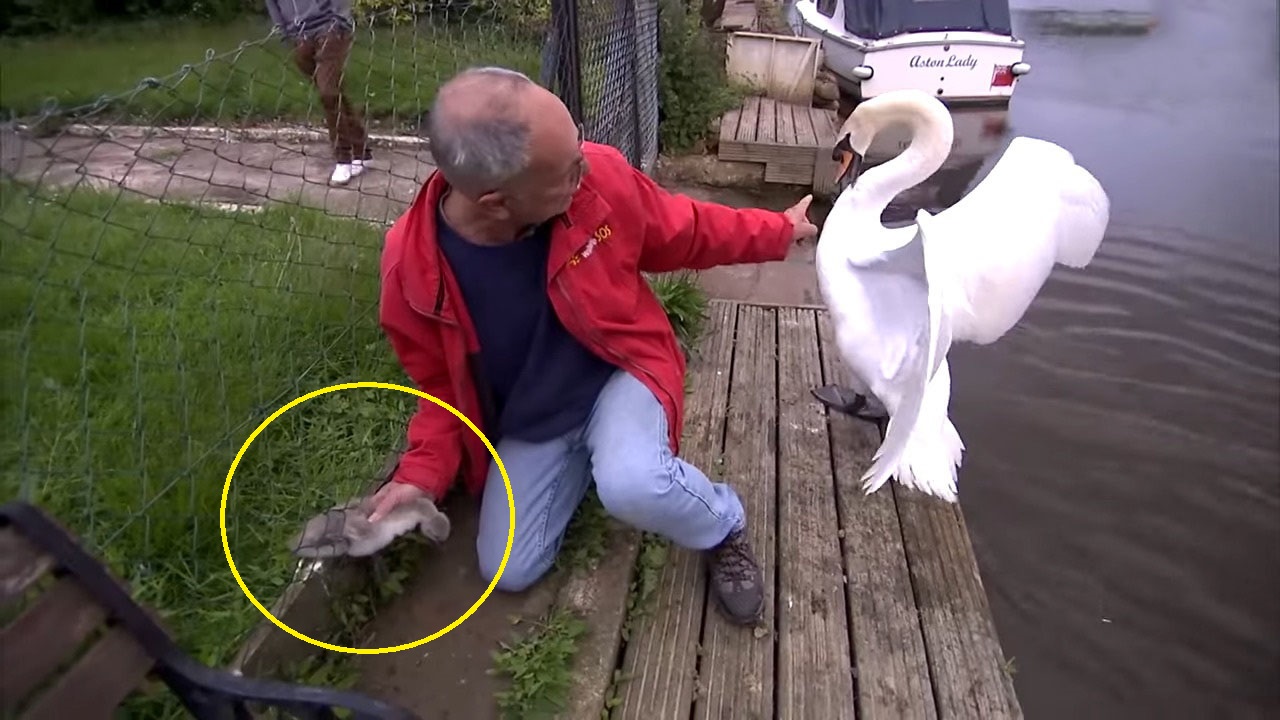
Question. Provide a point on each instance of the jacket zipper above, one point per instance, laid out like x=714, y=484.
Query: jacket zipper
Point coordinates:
x=622, y=361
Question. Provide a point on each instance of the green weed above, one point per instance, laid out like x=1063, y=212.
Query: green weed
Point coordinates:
x=685, y=303
x=538, y=666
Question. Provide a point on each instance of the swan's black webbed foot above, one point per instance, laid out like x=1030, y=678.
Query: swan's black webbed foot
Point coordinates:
x=845, y=400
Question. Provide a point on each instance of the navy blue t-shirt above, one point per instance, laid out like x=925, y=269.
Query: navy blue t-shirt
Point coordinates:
x=544, y=382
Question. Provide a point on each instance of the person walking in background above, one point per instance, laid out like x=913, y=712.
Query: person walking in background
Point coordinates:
x=321, y=34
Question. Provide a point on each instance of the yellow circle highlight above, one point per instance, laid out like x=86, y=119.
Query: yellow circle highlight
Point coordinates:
x=506, y=481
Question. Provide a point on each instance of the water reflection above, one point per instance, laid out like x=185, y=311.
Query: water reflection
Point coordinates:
x=1122, y=483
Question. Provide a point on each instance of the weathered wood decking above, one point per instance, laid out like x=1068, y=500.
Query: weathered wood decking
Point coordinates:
x=875, y=608
x=793, y=141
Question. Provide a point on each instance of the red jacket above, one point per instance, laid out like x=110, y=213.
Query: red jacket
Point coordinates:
x=619, y=223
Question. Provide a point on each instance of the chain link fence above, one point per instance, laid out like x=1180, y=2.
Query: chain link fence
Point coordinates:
x=605, y=67
x=175, y=267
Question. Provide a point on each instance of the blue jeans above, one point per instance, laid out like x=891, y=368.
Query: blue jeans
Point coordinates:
x=623, y=447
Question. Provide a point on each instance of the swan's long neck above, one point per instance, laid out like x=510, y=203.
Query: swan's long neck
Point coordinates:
x=931, y=137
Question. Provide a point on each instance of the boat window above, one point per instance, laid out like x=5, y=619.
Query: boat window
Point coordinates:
x=827, y=7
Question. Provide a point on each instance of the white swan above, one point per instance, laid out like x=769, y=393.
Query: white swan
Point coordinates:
x=899, y=297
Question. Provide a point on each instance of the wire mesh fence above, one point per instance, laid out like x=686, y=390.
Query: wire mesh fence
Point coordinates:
x=606, y=69
x=175, y=266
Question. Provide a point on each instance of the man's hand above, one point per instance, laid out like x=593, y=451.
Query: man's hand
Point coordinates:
x=798, y=214
x=391, y=496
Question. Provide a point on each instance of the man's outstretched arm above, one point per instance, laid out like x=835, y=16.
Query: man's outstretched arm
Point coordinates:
x=684, y=233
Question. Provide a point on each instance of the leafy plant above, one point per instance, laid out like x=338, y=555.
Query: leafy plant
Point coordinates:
x=539, y=666
x=685, y=303
x=692, y=87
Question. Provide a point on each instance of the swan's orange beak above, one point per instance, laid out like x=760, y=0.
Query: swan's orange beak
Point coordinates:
x=849, y=164
x=846, y=160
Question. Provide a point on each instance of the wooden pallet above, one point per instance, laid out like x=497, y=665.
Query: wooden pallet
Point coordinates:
x=793, y=141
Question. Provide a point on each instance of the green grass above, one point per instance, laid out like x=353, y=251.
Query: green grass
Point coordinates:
x=141, y=344
x=587, y=536
x=392, y=73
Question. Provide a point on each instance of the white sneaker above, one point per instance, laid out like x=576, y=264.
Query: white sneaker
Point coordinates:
x=344, y=172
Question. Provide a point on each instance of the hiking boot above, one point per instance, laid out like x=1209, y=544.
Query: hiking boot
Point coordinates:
x=736, y=580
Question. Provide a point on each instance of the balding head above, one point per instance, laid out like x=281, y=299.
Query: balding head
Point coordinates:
x=479, y=130
x=506, y=144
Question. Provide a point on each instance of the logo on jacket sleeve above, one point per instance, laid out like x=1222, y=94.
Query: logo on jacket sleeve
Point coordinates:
x=601, y=234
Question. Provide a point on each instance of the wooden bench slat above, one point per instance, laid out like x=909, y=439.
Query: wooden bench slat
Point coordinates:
x=44, y=637
x=21, y=565
x=112, y=669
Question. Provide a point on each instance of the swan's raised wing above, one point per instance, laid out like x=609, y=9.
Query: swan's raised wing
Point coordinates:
x=900, y=343
x=1000, y=242
x=944, y=292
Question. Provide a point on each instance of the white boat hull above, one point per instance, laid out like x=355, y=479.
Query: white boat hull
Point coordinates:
x=956, y=66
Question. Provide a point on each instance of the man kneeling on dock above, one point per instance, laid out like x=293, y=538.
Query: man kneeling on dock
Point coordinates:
x=512, y=290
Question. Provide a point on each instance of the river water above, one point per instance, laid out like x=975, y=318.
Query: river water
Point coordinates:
x=1123, y=478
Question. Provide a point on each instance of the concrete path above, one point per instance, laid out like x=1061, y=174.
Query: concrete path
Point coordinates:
x=198, y=168
x=205, y=169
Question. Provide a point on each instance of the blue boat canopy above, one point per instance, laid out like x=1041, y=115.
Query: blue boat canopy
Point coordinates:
x=877, y=19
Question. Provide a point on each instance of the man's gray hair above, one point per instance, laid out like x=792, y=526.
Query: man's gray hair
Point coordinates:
x=481, y=149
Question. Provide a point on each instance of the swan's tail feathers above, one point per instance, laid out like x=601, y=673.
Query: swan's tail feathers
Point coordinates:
x=930, y=464
x=930, y=458
x=1086, y=210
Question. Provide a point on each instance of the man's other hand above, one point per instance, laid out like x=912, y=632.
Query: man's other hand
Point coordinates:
x=798, y=214
x=391, y=496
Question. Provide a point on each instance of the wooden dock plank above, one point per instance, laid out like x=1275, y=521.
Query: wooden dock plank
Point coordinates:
x=889, y=648
x=767, y=122
x=965, y=657
x=729, y=126
x=786, y=124
x=815, y=671
x=660, y=660
x=905, y=633
x=802, y=120
x=750, y=120
x=793, y=141
x=736, y=675
x=825, y=126
x=789, y=173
